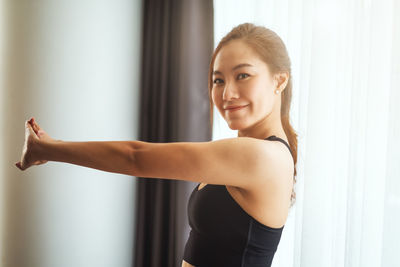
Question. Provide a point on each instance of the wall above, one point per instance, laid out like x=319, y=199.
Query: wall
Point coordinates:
x=74, y=66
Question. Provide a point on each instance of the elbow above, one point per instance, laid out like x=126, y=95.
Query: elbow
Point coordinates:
x=132, y=159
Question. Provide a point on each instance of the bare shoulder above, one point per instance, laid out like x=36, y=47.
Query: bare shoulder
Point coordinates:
x=277, y=170
x=282, y=164
x=282, y=171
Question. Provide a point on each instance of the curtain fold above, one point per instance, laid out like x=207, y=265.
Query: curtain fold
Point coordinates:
x=177, y=47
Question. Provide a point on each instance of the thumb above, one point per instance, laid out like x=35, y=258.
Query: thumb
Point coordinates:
x=18, y=164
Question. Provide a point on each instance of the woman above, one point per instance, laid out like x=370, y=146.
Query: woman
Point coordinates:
x=246, y=184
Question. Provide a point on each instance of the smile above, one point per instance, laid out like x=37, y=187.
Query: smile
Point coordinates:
x=235, y=109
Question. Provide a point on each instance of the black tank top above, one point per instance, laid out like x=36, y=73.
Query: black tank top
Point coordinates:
x=223, y=234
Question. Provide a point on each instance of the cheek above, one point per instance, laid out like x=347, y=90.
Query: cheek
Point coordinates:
x=261, y=96
x=216, y=98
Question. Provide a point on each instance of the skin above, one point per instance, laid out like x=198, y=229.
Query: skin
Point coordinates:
x=263, y=191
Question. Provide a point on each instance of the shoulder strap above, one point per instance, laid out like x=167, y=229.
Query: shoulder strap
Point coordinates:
x=274, y=138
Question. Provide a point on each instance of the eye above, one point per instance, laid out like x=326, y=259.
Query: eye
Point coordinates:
x=244, y=75
x=216, y=81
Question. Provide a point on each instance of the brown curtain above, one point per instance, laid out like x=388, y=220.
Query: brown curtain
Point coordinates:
x=177, y=47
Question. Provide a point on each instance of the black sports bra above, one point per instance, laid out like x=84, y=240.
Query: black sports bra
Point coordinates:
x=223, y=234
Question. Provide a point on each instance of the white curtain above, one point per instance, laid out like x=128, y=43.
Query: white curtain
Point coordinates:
x=346, y=79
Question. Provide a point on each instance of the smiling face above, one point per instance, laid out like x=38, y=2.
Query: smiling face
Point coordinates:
x=241, y=78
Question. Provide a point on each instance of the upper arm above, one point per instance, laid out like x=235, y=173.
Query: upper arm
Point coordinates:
x=240, y=162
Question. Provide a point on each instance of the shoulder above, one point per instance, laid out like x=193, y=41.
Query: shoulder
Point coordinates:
x=269, y=163
x=279, y=167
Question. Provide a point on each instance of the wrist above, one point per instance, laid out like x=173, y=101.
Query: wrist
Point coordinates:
x=41, y=148
x=37, y=149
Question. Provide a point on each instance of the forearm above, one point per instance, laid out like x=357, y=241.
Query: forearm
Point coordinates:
x=110, y=156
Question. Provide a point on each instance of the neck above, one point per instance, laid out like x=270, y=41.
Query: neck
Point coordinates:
x=264, y=129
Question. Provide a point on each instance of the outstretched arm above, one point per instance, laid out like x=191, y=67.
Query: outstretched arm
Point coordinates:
x=243, y=162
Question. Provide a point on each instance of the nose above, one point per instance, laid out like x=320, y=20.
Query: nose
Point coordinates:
x=230, y=91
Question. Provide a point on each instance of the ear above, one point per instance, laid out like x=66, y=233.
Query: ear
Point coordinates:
x=281, y=80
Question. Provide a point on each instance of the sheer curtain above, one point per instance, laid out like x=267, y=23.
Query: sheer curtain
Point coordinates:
x=345, y=65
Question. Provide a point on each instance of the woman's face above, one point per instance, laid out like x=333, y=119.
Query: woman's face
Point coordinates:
x=240, y=78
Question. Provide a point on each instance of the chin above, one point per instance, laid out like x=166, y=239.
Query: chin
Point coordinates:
x=236, y=125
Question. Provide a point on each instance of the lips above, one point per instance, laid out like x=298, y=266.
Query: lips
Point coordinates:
x=234, y=108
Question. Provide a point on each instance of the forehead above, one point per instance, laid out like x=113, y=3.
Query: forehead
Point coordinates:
x=234, y=53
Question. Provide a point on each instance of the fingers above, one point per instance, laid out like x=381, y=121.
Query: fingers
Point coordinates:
x=28, y=129
x=32, y=123
x=35, y=123
x=35, y=126
x=31, y=128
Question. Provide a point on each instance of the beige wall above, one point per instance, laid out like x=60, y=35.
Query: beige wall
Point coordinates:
x=74, y=66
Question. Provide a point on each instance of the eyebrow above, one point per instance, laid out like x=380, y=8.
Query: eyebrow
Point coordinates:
x=234, y=68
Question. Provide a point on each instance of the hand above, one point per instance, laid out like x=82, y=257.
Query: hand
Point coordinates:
x=33, y=134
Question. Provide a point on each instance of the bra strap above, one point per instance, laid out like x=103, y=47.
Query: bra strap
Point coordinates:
x=280, y=140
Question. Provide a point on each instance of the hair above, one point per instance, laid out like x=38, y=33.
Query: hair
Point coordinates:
x=271, y=49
